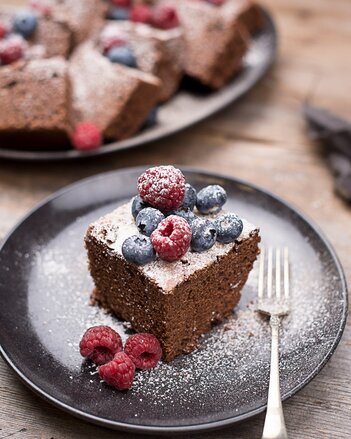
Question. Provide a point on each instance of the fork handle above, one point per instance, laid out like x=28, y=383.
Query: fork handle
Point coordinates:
x=274, y=425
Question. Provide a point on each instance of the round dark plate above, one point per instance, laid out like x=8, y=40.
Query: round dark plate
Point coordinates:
x=44, y=294
x=188, y=107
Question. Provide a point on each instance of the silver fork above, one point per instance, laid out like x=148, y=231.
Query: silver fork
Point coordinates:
x=275, y=303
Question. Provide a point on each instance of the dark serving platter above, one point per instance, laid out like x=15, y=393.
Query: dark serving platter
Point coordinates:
x=44, y=294
x=189, y=106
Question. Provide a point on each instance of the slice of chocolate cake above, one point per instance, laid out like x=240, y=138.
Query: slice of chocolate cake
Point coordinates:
x=249, y=14
x=35, y=98
x=83, y=17
x=176, y=301
x=50, y=38
x=159, y=52
x=116, y=98
x=215, y=41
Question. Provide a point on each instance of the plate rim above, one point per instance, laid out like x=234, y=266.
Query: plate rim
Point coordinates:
x=192, y=428
x=146, y=139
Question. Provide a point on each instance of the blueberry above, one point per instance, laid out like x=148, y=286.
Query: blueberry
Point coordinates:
x=229, y=227
x=137, y=205
x=118, y=13
x=189, y=197
x=187, y=214
x=151, y=119
x=25, y=23
x=122, y=55
x=138, y=250
x=148, y=219
x=211, y=199
x=204, y=235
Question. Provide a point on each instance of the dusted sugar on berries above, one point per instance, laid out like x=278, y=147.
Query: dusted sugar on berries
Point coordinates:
x=162, y=187
x=144, y=350
x=141, y=14
x=204, y=235
x=211, y=199
x=172, y=238
x=119, y=372
x=148, y=220
x=100, y=344
x=229, y=227
x=12, y=50
x=165, y=17
x=138, y=250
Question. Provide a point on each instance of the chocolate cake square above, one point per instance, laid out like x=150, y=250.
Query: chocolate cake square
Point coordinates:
x=35, y=97
x=83, y=17
x=177, y=301
x=158, y=52
x=248, y=13
x=51, y=37
x=116, y=98
x=215, y=42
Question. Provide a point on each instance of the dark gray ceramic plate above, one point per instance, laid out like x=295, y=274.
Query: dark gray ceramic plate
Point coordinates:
x=188, y=107
x=44, y=295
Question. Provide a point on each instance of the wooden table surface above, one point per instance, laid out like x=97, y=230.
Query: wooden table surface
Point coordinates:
x=262, y=139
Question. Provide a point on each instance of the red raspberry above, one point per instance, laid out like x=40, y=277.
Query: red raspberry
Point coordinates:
x=165, y=17
x=216, y=2
x=3, y=30
x=122, y=3
x=86, y=136
x=11, y=50
x=100, y=344
x=141, y=14
x=42, y=7
x=144, y=350
x=119, y=372
x=171, y=239
x=163, y=187
x=109, y=41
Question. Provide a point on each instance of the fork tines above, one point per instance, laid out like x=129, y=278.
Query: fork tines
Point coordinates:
x=276, y=260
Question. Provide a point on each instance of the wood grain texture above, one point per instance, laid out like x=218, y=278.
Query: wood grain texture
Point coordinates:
x=262, y=139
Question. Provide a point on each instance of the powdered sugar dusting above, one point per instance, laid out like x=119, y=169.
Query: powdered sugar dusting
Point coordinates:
x=117, y=226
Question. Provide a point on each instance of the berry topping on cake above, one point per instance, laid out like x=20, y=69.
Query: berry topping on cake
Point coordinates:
x=100, y=344
x=189, y=201
x=25, y=23
x=162, y=187
x=144, y=350
x=172, y=238
x=119, y=372
x=148, y=220
x=119, y=13
x=122, y=3
x=216, y=2
x=86, y=137
x=137, y=206
x=122, y=55
x=138, y=250
x=211, y=199
x=108, y=41
x=42, y=7
x=204, y=235
x=229, y=227
x=141, y=14
x=11, y=50
x=3, y=30
x=187, y=214
x=165, y=17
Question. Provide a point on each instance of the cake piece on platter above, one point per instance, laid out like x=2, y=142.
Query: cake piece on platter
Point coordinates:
x=158, y=52
x=187, y=276
x=83, y=17
x=47, y=37
x=116, y=98
x=215, y=42
x=35, y=98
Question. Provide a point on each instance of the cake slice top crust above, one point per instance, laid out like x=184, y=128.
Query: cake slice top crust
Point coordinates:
x=114, y=228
